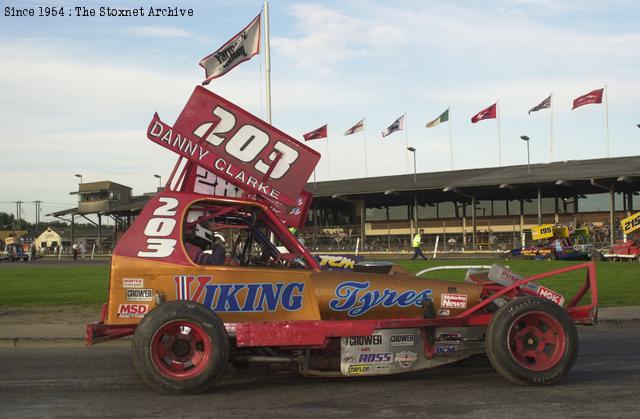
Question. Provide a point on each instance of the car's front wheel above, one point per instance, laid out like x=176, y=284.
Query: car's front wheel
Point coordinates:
x=531, y=341
x=180, y=347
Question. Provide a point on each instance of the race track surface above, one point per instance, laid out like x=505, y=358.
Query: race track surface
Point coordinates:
x=59, y=381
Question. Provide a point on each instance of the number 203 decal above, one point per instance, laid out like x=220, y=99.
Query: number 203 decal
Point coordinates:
x=247, y=143
x=158, y=228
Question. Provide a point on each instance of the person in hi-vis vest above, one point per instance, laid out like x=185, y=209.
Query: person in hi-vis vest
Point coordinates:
x=417, y=242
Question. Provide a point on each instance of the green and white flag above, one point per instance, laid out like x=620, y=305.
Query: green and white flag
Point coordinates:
x=442, y=118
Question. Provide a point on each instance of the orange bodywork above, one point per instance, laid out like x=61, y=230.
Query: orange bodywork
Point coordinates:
x=251, y=294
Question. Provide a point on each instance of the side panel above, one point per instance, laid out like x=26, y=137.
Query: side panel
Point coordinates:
x=351, y=295
x=236, y=294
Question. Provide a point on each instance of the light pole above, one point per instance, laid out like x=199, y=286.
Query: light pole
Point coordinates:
x=525, y=138
x=415, y=176
x=159, y=180
x=80, y=176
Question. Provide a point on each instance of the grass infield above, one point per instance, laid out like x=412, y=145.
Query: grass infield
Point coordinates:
x=618, y=283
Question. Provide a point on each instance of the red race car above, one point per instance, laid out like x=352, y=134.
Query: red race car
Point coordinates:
x=209, y=274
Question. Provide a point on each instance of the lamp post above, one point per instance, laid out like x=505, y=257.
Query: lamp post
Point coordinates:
x=159, y=180
x=525, y=138
x=415, y=176
x=80, y=176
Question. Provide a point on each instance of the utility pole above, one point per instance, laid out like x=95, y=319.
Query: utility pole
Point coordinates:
x=37, y=216
x=18, y=211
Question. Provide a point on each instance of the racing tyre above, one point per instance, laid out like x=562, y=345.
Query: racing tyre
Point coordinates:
x=180, y=347
x=531, y=341
x=597, y=257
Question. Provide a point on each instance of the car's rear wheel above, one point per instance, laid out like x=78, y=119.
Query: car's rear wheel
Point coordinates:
x=597, y=256
x=531, y=341
x=180, y=347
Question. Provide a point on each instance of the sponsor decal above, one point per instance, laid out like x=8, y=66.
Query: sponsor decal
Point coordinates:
x=406, y=358
x=364, y=340
x=446, y=349
x=240, y=298
x=453, y=301
x=358, y=369
x=357, y=299
x=402, y=339
x=349, y=359
x=373, y=358
x=451, y=338
x=133, y=283
x=550, y=295
x=443, y=312
x=132, y=311
x=337, y=262
x=140, y=294
x=382, y=367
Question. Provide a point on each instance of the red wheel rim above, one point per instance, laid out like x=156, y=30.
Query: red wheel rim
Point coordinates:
x=537, y=341
x=181, y=349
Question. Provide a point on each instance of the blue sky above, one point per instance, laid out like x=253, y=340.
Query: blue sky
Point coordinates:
x=78, y=92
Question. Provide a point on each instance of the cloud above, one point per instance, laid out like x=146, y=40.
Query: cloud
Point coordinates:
x=326, y=37
x=157, y=31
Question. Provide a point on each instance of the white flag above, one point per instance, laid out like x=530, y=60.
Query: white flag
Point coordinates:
x=240, y=48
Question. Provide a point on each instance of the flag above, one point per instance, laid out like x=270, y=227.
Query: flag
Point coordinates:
x=442, y=118
x=238, y=49
x=594, y=96
x=486, y=113
x=397, y=125
x=316, y=133
x=359, y=126
x=543, y=105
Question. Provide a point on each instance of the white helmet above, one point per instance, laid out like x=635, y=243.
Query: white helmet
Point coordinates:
x=207, y=235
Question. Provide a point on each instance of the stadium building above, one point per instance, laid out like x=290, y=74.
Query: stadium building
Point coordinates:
x=472, y=209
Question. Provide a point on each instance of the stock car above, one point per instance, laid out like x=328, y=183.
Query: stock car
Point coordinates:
x=629, y=250
x=557, y=248
x=13, y=252
x=268, y=301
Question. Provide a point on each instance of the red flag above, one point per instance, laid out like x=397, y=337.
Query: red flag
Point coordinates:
x=487, y=113
x=316, y=133
x=594, y=96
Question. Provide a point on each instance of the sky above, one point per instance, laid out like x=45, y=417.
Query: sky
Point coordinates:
x=79, y=92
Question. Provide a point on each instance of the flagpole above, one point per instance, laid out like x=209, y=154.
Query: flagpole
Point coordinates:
x=406, y=140
x=450, y=139
x=267, y=59
x=499, y=138
x=328, y=165
x=364, y=129
x=606, y=117
x=551, y=113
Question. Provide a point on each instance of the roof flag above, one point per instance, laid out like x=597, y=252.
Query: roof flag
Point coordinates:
x=316, y=134
x=398, y=125
x=545, y=104
x=594, y=96
x=486, y=113
x=238, y=49
x=359, y=126
x=444, y=117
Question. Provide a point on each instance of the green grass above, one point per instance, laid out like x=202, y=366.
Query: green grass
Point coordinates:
x=54, y=285
x=618, y=283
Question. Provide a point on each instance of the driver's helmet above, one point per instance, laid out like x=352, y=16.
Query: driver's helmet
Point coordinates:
x=207, y=234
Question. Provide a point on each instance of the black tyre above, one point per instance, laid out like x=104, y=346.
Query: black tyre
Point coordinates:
x=597, y=256
x=531, y=341
x=180, y=347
